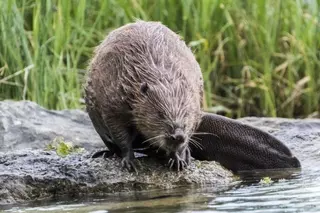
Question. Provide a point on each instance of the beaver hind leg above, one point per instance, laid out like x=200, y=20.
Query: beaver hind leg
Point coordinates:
x=104, y=134
x=122, y=149
x=124, y=137
x=106, y=153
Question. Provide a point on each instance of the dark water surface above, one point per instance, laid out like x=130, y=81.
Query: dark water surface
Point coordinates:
x=291, y=191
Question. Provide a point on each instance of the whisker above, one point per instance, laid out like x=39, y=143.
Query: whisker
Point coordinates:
x=161, y=144
x=205, y=133
x=153, y=138
x=153, y=143
x=196, y=143
x=196, y=137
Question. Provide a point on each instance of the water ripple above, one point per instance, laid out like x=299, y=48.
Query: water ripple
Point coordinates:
x=301, y=194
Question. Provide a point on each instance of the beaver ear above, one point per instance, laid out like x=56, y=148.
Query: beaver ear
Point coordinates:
x=144, y=88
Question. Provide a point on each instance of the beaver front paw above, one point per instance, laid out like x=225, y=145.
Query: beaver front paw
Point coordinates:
x=179, y=161
x=127, y=163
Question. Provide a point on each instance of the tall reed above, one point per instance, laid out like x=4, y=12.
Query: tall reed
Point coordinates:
x=258, y=57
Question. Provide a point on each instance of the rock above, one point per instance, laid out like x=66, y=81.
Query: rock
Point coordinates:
x=28, y=172
x=27, y=175
x=25, y=124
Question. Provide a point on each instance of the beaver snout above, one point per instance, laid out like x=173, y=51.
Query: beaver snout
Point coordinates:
x=178, y=136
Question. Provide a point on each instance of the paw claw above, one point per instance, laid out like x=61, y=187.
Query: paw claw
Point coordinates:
x=179, y=163
x=178, y=166
x=104, y=154
x=183, y=164
x=171, y=163
x=128, y=164
x=188, y=157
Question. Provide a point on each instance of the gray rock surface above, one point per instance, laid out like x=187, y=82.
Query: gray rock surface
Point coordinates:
x=27, y=175
x=25, y=124
x=28, y=172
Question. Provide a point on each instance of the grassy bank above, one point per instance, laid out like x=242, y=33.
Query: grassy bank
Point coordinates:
x=257, y=57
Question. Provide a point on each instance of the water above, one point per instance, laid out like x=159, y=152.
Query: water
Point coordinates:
x=298, y=193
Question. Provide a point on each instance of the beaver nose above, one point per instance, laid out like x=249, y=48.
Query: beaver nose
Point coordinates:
x=178, y=136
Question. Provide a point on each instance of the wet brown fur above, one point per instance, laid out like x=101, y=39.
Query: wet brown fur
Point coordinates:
x=144, y=79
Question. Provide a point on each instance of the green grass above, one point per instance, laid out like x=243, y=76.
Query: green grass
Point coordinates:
x=257, y=57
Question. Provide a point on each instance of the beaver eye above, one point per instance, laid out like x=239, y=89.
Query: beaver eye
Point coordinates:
x=144, y=88
x=161, y=115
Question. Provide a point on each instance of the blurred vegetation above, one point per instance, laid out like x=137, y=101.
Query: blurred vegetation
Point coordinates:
x=63, y=148
x=258, y=57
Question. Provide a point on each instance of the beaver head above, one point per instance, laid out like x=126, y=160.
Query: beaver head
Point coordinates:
x=166, y=113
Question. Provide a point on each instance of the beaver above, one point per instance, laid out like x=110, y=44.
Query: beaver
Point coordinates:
x=143, y=79
x=236, y=146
